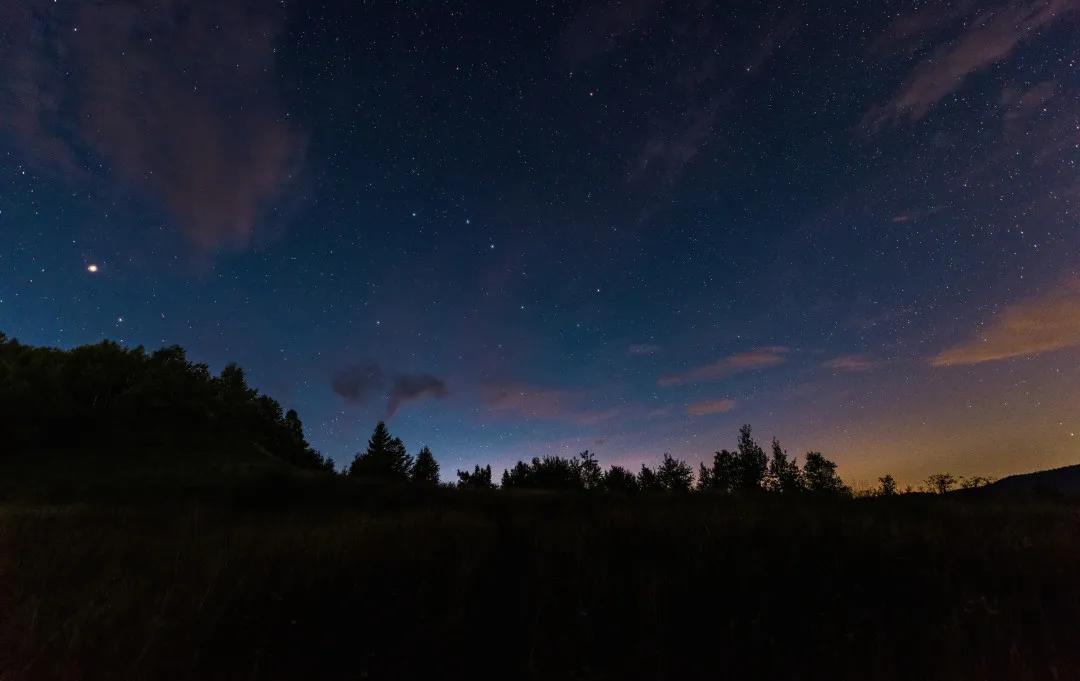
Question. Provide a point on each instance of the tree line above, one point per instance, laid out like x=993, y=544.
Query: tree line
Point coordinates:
x=107, y=396
x=745, y=469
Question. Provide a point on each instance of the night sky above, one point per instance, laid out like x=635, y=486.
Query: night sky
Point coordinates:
x=516, y=229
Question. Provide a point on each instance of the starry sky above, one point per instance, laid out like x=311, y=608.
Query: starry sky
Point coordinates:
x=515, y=229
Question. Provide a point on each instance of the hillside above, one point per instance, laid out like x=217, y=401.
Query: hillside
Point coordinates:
x=1064, y=481
x=106, y=411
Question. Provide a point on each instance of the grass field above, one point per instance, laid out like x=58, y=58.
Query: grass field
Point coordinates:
x=338, y=582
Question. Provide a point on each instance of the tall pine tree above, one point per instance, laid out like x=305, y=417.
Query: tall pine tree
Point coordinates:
x=426, y=469
x=385, y=458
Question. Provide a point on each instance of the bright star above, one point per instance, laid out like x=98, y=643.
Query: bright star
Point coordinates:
x=91, y=268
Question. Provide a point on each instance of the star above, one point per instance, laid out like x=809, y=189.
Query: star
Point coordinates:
x=92, y=268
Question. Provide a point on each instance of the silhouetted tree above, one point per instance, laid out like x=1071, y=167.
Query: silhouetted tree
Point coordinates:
x=549, y=472
x=234, y=388
x=519, y=476
x=784, y=475
x=425, y=470
x=619, y=480
x=819, y=475
x=674, y=475
x=704, y=478
x=588, y=469
x=401, y=461
x=724, y=475
x=886, y=486
x=384, y=459
x=555, y=472
x=479, y=478
x=751, y=462
x=293, y=425
x=648, y=481
x=940, y=483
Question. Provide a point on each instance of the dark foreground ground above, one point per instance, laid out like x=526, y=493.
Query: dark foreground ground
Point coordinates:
x=310, y=584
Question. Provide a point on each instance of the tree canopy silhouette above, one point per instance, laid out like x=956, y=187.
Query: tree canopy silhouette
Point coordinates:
x=647, y=480
x=748, y=469
x=819, y=475
x=555, y=472
x=751, y=462
x=108, y=397
x=620, y=481
x=940, y=483
x=743, y=470
x=723, y=476
x=425, y=470
x=479, y=478
x=784, y=475
x=384, y=460
x=886, y=486
x=674, y=475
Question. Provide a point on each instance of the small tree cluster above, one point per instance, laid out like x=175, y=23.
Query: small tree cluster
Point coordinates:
x=479, y=478
x=620, y=481
x=672, y=475
x=555, y=472
x=940, y=483
x=385, y=460
x=943, y=483
x=583, y=473
x=886, y=486
x=975, y=481
x=749, y=470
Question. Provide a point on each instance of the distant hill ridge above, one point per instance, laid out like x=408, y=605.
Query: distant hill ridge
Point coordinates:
x=1064, y=481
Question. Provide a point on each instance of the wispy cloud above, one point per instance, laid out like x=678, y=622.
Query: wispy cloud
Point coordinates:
x=643, y=349
x=708, y=65
x=544, y=403
x=710, y=88
x=851, y=363
x=759, y=358
x=174, y=99
x=1023, y=103
x=914, y=215
x=706, y=407
x=909, y=33
x=1041, y=324
x=987, y=38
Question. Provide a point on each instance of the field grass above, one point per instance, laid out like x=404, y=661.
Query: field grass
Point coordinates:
x=339, y=582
